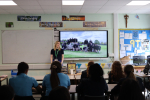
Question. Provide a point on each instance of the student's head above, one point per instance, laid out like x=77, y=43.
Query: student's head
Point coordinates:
x=59, y=93
x=116, y=71
x=6, y=92
x=130, y=90
x=55, y=68
x=22, y=68
x=88, y=66
x=95, y=71
x=129, y=71
x=57, y=45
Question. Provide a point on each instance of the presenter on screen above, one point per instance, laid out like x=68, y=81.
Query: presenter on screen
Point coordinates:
x=57, y=54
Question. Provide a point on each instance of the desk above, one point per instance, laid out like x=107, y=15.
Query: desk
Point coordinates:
x=72, y=77
x=2, y=79
x=142, y=75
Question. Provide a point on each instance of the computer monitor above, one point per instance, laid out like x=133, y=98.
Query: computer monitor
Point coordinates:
x=148, y=59
x=138, y=60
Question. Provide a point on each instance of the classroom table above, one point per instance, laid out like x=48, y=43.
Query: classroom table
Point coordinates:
x=72, y=77
x=2, y=79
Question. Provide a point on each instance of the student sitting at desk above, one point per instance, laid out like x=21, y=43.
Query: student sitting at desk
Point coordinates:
x=22, y=84
x=130, y=90
x=95, y=85
x=85, y=73
x=116, y=73
x=129, y=73
x=55, y=79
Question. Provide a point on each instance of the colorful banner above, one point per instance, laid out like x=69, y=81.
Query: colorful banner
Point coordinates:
x=9, y=24
x=50, y=24
x=102, y=65
x=73, y=18
x=94, y=24
x=28, y=18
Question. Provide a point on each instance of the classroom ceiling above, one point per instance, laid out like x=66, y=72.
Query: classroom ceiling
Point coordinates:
x=89, y=7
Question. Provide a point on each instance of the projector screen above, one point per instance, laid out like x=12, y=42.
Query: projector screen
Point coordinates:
x=84, y=44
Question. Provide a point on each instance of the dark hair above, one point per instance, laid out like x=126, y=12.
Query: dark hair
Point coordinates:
x=22, y=67
x=59, y=93
x=96, y=71
x=89, y=64
x=130, y=90
x=129, y=71
x=6, y=92
x=116, y=71
x=54, y=79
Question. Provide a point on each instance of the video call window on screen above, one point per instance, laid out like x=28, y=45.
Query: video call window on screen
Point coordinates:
x=84, y=44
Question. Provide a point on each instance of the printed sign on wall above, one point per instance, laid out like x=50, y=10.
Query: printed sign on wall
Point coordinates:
x=50, y=24
x=9, y=24
x=28, y=18
x=94, y=24
x=73, y=18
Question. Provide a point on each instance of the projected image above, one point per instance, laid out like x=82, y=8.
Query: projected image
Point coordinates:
x=82, y=44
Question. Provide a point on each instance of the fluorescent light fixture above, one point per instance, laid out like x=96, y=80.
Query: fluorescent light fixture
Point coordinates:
x=138, y=3
x=72, y=2
x=7, y=2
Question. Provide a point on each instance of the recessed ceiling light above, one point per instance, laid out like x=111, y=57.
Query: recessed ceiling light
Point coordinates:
x=7, y=2
x=72, y=2
x=138, y=3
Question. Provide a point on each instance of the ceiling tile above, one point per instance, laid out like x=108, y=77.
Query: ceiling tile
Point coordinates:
x=35, y=11
x=110, y=7
x=106, y=11
x=31, y=7
x=130, y=7
x=71, y=7
x=95, y=2
x=70, y=11
x=50, y=7
x=26, y=2
x=89, y=7
x=52, y=11
x=3, y=12
x=88, y=11
x=117, y=3
x=123, y=11
x=47, y=2
x=10, y=7
x=16, y=11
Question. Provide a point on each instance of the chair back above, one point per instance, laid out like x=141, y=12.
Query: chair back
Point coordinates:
x=86, y=97
x=24, y=98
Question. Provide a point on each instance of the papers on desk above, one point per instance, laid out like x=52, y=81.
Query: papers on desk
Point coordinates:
x=3, y=76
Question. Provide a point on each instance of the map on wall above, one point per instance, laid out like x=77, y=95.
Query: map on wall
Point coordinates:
x=134, y=43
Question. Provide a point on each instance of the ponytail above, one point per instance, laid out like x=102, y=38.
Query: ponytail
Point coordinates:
x=54, y=79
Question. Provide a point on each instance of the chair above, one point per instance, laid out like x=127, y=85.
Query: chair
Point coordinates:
x=86, y=97
x=24, y=98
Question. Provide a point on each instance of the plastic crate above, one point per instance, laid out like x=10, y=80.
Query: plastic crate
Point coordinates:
x=14, y=73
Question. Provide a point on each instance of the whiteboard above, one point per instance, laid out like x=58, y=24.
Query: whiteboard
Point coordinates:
x=31, y=46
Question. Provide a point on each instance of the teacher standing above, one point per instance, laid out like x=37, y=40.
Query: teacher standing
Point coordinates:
x=57, y=54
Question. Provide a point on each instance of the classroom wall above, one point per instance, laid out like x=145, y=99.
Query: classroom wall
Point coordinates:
x=133, y=23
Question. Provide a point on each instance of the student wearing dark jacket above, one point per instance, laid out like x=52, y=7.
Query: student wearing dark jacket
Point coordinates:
x=129, y=73
x=85, y=73
x=95, y=85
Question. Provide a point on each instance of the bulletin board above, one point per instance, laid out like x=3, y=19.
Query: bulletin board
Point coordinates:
x=134, y=42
